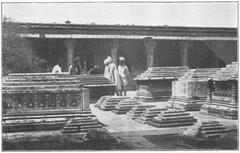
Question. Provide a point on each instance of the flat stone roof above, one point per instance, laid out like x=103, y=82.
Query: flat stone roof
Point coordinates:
x=93, y=31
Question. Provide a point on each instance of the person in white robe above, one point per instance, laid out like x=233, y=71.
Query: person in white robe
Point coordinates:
x=124, y=75
x=57, y=69
x=106, y=71
x=114, y=75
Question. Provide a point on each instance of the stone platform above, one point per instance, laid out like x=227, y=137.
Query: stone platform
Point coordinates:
x=172, y=119
x=42, y=120
x=207, y=130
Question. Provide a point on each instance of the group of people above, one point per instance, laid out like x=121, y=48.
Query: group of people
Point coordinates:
x=74, y=69
x=119, y=76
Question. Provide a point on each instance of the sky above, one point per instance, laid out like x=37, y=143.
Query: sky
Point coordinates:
x=201, y=14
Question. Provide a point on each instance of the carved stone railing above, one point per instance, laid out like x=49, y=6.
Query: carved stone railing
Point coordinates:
x=22, y=99
x=98, y=85
x=223, y=96
x=43, y=91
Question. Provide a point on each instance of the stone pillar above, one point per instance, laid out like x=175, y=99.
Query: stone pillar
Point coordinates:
x=85, y=98
x=150, y=45
x=114, y=50
x=35, y=99
x=184, y=45
x=210, y=90
x=234, y=93
x=69, y=43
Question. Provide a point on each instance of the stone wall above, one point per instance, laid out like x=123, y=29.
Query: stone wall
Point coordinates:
x=189, y=89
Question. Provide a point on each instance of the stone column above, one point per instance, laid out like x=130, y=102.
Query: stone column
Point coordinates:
x=85, y=98
x=150, y=45
x=69, y=43
x=210, y=90
x=234, y=93
x=35, y=98
x=184, y=45
x=114, y=50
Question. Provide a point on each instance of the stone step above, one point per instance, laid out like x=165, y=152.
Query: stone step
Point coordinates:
x=151, y=112
x=176, y=111
x=142, y=121
x=209, y=122
x=213, y=127
x=175, y=117
x=161, y=125
x=213, y=131
x=71, y=128
x=32, y=127
x=47, y=112
x=174, y=114
x=212, y=136
x=149, y=115
x=83, y=124
x=154, y=119
x=83, y=119
x=46, y=116
x=91, y=126
x=136, y=112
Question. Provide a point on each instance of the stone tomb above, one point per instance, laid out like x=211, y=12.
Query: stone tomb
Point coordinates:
x=223, y=93
x=156, y=82
x=172, y=118
x=82, y=125
x=189, y=92
x=98, y=85
x=109, y=103
x=137, y=110
x=125, y=105
x=207, y=130
x=149, y=113
x=41, y=105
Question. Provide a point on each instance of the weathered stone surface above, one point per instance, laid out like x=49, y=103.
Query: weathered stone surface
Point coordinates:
x=124, y=106
x=172, y=119
x=190, y=91
x=108, y=103
x=223, y=101
x=156, y=82
x=149, y=113
x=97, y=84
x=136, y=111
x=44, y=120
x=207, y=130
x=81, y=125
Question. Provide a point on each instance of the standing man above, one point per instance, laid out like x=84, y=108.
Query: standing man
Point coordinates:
x=124, y=75
x=106, y=70
x=114, y=75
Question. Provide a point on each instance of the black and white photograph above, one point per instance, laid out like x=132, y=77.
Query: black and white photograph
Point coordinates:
x=120, y=76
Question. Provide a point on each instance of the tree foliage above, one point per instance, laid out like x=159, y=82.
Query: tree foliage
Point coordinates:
x=17, y=54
